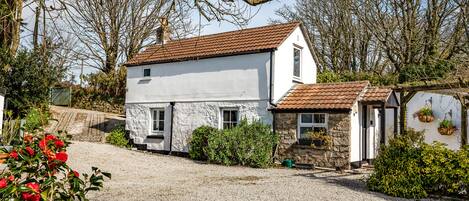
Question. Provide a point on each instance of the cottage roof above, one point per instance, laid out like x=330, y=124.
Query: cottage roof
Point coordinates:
x=323, y=96
x=244, y=41
x=376, y=94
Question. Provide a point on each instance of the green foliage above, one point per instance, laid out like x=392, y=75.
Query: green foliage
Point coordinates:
x=427, y=111
x=199, y=141
x=36, y=118
x=11, y=129
x=117, y=137
x=328, y=76
x=446, y=123
x=410, y=168
x=27, y=79
x=428, y=71
x=248, y=144
x=103, y=92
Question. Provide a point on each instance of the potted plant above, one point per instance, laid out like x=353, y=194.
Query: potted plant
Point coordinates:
x=320, y=139
x=426, y=114
x=446, y=127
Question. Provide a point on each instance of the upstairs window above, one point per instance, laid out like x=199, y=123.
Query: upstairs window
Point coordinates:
x=296, y=63
x=316, y=122
x=157, y=117
x=146, y=72
x=229, y=118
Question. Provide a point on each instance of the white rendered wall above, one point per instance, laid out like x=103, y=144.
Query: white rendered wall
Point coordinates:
x=441, y=105
x=187, y=117
x=283, y=64
x=355, y=133
x=242, y=77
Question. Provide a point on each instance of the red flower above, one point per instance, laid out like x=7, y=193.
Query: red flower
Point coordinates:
x=61, y=156
x=43, y=144
x=50, y=137
x=74, y=173
x=50, y=155
x=3, y=183
x=30, y=151
x=35, y=196
x=11, y=178
x=14, y=155
x=59, y=144
x=31, y=197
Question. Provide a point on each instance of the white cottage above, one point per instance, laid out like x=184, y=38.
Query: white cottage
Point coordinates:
x=176, y=86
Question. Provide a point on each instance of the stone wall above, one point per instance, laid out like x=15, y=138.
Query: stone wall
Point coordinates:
x=337, y=156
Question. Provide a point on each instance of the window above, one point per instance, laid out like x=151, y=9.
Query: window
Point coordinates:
x=296, y=63
x=229, y=118
x=157, y=117
x=146, y=72
x=311, y=122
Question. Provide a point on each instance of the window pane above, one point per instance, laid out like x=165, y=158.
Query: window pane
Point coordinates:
x=306, y=118
x=146, y=72
x=304, y=131
x=226, y=125
x=296, y=62
x=161, y=125
x=155, y=126
x=234, y=116
x=319, y=118
x=320, y=129
x=226, y=116
x=161, y=117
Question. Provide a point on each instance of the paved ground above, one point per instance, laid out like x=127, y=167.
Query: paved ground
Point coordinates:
x=83, y=125
x=144, y=176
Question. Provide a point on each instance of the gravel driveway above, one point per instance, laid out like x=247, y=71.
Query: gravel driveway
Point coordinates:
x=144, y=176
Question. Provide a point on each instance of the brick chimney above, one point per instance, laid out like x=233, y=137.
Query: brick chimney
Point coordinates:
x=162, y=32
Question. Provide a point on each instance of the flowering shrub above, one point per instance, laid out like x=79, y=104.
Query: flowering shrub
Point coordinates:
x=37, y=170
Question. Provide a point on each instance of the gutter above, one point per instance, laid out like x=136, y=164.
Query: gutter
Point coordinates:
x=171, y=131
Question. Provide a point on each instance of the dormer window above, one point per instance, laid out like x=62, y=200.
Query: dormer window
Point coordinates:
x=146, y=72
x=296, y=63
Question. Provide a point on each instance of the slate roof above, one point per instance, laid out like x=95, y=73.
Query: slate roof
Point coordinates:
x=244, y=41
x=323, y=96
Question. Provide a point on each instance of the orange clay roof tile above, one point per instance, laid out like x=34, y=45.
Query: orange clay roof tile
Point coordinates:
x=222, y=44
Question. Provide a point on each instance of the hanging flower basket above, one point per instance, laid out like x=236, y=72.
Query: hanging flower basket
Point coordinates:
x=320, y=139
x=446, y=127
x=425, y=115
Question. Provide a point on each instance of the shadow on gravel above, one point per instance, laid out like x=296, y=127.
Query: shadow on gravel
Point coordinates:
x=343, y=180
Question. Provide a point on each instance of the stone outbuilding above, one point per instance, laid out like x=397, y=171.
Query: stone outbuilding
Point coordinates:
x=351, y=118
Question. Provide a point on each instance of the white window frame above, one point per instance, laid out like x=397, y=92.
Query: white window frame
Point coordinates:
x=312, y=125
x=295, y=47
x=222, y=121
x=158, y=119
x=143, y=72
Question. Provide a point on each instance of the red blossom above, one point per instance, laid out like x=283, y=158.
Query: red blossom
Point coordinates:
x=59, y=143
x=11, y=178
x=73, y=173
x=31, y=197
x=61, y=156
x=30, y=151
x=43, y=144
x=3, y=183
x=50, y=137
x=50, y=155
x=28, y=138
x=14, y=155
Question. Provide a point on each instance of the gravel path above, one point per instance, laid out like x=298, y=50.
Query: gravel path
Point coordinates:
x=144, y=176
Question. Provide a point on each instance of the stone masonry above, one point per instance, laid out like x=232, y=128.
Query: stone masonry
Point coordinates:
x=337, y=156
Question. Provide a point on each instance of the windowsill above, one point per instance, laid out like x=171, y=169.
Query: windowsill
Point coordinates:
x=156, y=136
x=145, y=79
x=297, y=80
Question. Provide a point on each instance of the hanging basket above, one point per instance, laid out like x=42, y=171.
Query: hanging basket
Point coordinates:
x=426, y=118
x=447, y=130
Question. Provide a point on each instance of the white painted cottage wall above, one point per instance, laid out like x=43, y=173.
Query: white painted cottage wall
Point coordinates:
x=242, y=77
x=441, y=104
x=283, y=64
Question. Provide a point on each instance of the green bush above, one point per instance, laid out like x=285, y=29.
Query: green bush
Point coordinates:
x=117, y=137
x=36, y=118
x=409, y=168
x=199, y=142
x=428, y=71
x=248, y=144
x=328, y=76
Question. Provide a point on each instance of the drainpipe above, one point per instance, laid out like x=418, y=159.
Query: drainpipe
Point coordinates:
x=171, y=131
x=271, y=100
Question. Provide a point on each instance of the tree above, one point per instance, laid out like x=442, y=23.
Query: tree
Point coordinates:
x=10, y=20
